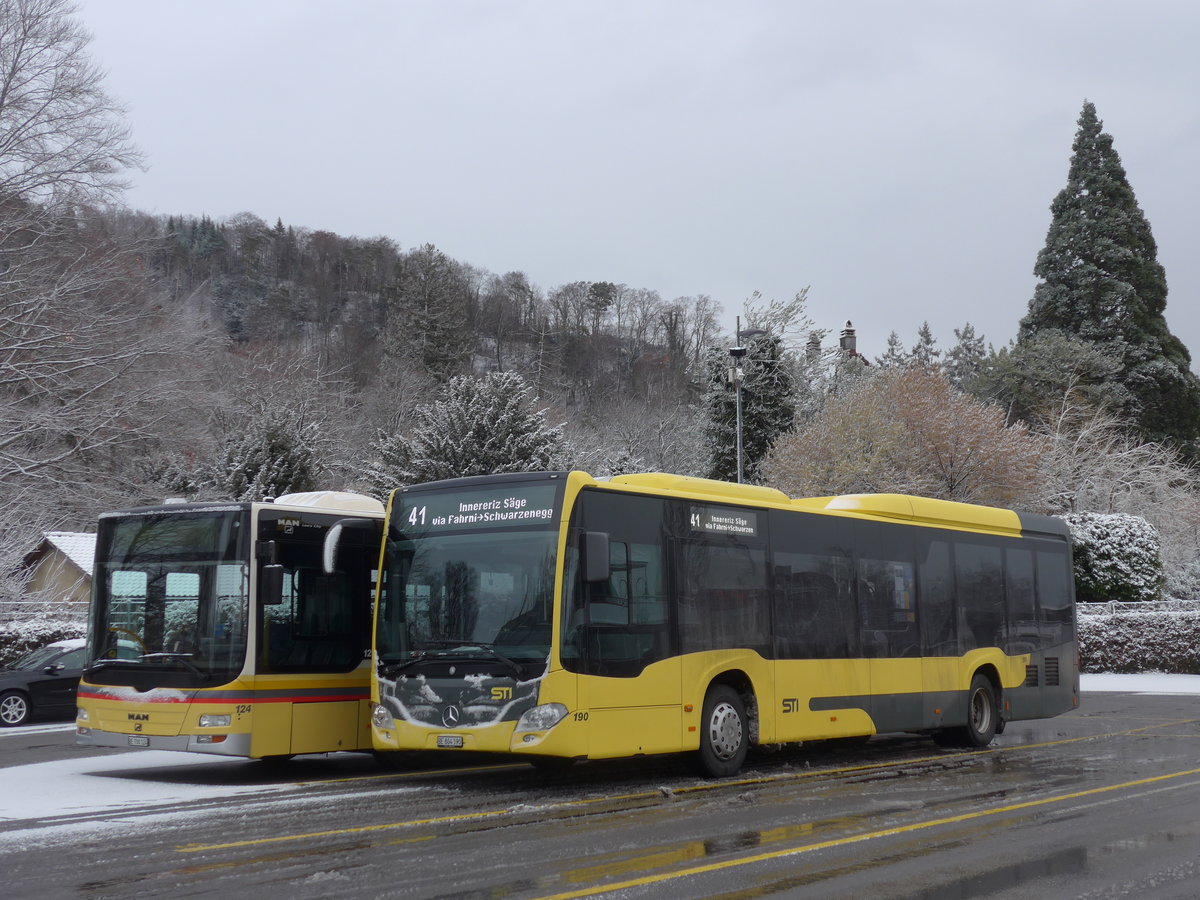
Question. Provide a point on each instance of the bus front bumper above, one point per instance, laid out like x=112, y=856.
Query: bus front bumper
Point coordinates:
x=219, y=744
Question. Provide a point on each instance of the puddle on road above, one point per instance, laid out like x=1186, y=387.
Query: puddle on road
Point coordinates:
x=983, y=884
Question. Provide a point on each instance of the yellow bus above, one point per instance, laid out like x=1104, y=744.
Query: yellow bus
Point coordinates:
x=561, y=617
x=215, y=628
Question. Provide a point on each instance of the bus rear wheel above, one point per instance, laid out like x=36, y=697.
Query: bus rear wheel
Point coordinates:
x=724, y=732
x=983, y=718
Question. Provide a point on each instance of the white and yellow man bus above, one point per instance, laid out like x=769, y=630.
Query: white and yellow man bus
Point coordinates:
x=561, y=617
x=215, y=628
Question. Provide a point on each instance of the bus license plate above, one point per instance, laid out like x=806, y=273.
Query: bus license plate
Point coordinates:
x=449, y=740
x=135, y=741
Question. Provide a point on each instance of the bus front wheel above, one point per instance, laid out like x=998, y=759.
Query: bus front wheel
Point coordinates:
x=724, y=732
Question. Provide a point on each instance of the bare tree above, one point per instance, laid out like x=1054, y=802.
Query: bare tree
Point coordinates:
x=77, y=391
x=909, y=431
x=62, y=138
x=1092, y=462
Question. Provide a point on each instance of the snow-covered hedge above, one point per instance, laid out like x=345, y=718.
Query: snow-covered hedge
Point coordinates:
x=18, y=638
x=1117, y=557
x=1136, y=641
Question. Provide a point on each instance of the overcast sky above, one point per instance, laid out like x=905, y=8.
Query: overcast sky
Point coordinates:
x=897, y=158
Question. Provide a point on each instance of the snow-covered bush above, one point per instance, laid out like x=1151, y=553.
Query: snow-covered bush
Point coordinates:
x=1117, y=557
x=1157, y=641
x=18, y=638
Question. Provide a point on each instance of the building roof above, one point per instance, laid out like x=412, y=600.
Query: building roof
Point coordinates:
x=78, y=547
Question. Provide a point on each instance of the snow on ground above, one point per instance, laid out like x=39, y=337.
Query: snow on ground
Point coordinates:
x=94, y=785
x=1150, y=683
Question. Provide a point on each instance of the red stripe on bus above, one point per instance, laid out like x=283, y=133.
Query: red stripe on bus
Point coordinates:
x=234, y=699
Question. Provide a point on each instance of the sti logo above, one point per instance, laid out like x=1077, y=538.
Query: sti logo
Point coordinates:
x=791, y=704
x=501, y=693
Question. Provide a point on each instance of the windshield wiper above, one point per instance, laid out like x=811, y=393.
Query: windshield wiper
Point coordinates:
x=447, y=649
x=185, y=659
x=495, y=654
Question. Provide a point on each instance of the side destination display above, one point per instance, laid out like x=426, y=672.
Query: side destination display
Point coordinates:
x=724, y=520
x=512, y=505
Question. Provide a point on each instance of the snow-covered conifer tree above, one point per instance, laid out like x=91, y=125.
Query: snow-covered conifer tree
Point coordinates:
x=965, y=358
x=768, y=407
x=475, y=426
x=895, y=356
x=1101, y=281
x=924, y=353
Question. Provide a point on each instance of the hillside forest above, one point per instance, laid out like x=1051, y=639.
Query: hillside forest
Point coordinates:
x=147, y=356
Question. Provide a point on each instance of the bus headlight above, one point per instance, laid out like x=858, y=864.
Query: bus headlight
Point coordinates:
x=211, y=721
x=81, y=714
x=541, y=718
x=381, y=718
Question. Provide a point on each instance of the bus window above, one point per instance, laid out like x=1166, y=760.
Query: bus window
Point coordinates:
x=979, y=583
x=815, y=617
x=319, y=624
x=618, y=627
x=1023, y=632
x=886, y=591
x=1054, y=596
x=723, y=595
x=814, y=613
x=939, y=631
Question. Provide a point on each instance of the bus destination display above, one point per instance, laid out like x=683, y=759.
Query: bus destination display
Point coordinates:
x=724, y=520
x=513, y=505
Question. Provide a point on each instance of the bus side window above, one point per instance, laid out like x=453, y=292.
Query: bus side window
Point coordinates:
x=617, y=627
x=935, y=599
x=1054, y=596
x=886, y=590
x=723, y=599
x=1024, y=631
x=979, y=582
x=813, y=614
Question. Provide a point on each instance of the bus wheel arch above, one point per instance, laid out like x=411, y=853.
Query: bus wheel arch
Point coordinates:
x=728, y=725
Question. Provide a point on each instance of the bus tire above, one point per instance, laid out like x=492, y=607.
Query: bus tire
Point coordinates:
x=724, y=733
x=983, y=717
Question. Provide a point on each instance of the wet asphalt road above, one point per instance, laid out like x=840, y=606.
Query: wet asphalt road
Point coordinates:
x=1099, y=803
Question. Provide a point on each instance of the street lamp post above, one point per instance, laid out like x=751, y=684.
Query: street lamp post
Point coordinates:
x=738, y=374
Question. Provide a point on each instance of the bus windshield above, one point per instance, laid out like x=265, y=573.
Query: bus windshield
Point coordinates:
x=453, y=590
x=171, y=592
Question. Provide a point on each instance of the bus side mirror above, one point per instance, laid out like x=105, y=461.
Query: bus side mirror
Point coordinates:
x=333, y=537
x=594, y=547
x=271, y=584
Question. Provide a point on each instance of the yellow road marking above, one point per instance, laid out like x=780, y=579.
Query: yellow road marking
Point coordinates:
x=648, y=795
x=857, y=838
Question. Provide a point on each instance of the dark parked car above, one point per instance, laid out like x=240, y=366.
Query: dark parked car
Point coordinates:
x=42, y=683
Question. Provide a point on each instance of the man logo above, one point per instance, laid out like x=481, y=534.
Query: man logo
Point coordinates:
x=791, y=704
x=450, y=716
x=501, y=693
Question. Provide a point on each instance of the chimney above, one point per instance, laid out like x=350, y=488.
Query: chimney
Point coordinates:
x=849, y=343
